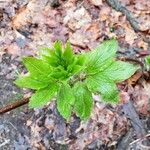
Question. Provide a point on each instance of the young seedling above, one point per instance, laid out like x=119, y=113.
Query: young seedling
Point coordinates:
x=72, y=78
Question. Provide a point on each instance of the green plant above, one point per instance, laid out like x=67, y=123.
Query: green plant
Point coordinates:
x=72, y=78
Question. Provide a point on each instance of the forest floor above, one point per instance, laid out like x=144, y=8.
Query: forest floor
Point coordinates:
x=27, y=25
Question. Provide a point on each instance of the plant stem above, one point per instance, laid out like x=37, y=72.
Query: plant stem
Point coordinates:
x=14, y=105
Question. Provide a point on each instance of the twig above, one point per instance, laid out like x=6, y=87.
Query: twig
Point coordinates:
x=4, y=143
x=141, y=143
x=137, y=124
x=130, y=17
x=14, y=105
x=137, y=140
x=125, y=141
x=131, y=60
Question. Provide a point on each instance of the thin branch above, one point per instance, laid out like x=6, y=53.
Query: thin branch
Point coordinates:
x=130, y=17
x=14, y=105
x=4, y=143
x=137, y=124
x=131, y=60
x=137, y=140
x=125, y=141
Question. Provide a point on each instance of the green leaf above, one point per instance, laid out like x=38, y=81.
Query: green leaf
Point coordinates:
x=45, y=51
x=59, y=73
x=83, y=101
x=54, y=61
x=58, y=48
x=99, y=59
x=65, y=101
x=49, y=56
x=107, y=88
x=81, y=59
x=37, y=66
x=147, y=59
x=74, y=67
x=119, y=71
x=68, y=55
x=30, y=82
x=43, y=96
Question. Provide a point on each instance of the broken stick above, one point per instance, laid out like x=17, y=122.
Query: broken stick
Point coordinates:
x=130, y=17
x=14, y=105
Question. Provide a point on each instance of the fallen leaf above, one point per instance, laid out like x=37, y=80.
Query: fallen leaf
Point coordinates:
x=30, y=13
x=96, y=2
x=21, y=18
x=141, y=97
x=13, y=49
x=86, y=36
x=143, y=45
x=104, y=13
x=75, y=19
x=133, y=80
x=130, y=36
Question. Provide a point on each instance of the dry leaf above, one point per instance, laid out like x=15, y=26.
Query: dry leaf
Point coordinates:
x=104, y=13
x=133, y=80
x=143, y=45
x=96, y=2
x=86, y=36
x=29, y=13
x=130, y=36
x=21, y=18
x=13, y=49
x=141, y=97
x=75, y=19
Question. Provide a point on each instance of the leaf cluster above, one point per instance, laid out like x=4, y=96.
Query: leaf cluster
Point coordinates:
x=72, y=78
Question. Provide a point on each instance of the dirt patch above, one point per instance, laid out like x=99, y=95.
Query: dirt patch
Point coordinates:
x=14, y=134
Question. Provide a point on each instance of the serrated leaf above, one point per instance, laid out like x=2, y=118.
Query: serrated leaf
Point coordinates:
x=58, y=48
x=43, y=96
x=74, y=68
x=46, y=54
x=65, y=101
x=81, y=59
x=107, y=88
x=45, y=51
x=53, y=61
x=68, y=55
x=83, y=101
x=30, y=82
x=37, y=66
x=147, y=60
x=102, y=56
x=59, y=73
x=119, y=71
